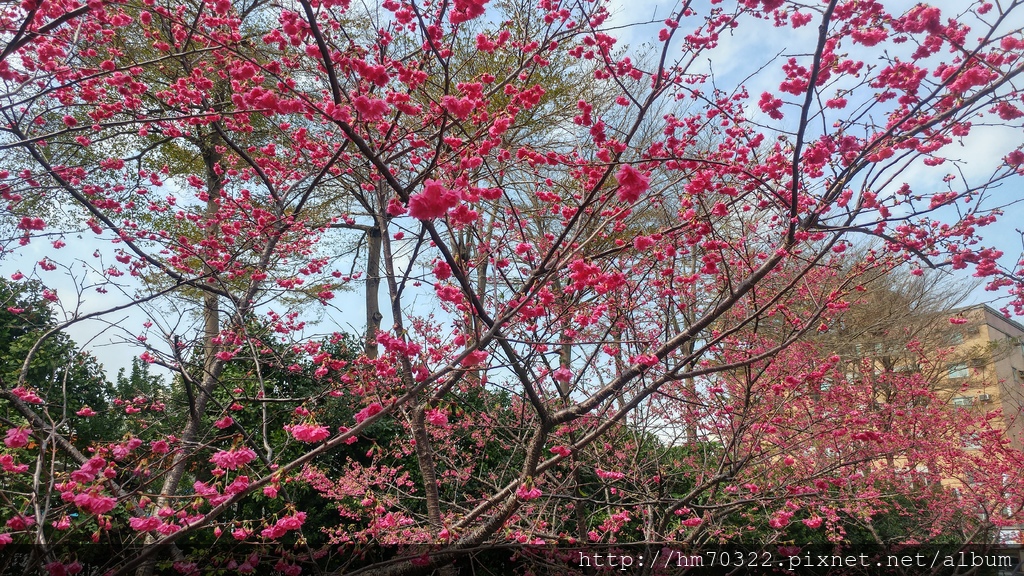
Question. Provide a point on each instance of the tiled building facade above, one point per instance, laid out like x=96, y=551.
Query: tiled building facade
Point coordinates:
x=990, y=375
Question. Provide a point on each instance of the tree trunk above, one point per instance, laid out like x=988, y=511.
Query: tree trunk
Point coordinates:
x=212, y=366
x=373, y=315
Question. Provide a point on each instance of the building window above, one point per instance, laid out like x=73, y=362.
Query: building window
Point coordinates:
x=958, y=370
x=956, y=338
x=971, y=441
x=963, y=401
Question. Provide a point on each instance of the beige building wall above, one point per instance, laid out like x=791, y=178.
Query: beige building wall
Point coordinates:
x=992, y=369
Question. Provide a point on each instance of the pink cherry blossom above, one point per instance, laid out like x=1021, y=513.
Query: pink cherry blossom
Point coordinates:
x=7, y=462
x=632, y=184
x=668, y=247
x=94, y=503
x=433, y=202
x=437, y=417
x=475, y=357
x=368, y=412
x=780, y=519
x=525, y=493
x=466, y=10
x=395, y=207
x=610, y=475
x=284, y=525
x=233, y=459
x=370, y=109
x=20, y=522
x=16, y=437
x=563, y=375
x=145, y=524
x=309, y=432
x=812, y=522
x=26, y=395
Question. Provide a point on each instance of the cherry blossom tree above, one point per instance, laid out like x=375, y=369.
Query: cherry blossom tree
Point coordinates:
x=602, y=272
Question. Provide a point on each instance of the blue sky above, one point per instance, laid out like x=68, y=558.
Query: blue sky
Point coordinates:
x=637, y=22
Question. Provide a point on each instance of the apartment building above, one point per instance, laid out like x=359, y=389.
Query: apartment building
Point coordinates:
x=972, y=357
x=985, y=371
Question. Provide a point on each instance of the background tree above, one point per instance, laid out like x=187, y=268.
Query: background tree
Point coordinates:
x=73, y=380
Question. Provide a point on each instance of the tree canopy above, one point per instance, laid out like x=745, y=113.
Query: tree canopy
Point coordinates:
x=603, y=290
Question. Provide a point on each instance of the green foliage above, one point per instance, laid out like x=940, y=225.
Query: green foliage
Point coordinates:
x=66, y=377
